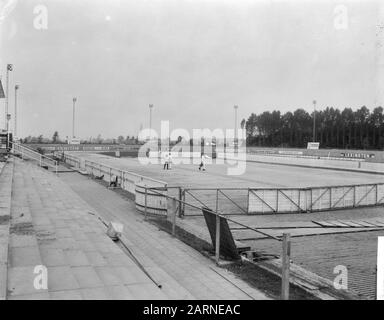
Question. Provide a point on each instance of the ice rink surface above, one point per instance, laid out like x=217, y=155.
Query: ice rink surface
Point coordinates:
x=255, y=175
x=319, y=250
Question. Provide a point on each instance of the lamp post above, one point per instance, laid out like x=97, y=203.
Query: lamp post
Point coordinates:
x=314, y=121
x=73, y=117
x=150, y=119
x=15, y=130
x=236, y=141
x=9, y=68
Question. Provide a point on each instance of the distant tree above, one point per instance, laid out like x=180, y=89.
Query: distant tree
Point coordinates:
x=120, y=139
x=242, y=123
x=40, y=139
x=99, y=139
x=55, y=137
x=334, y=128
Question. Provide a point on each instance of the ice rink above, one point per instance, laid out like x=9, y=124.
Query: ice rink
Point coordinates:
x=317, y=249
x=255, y=175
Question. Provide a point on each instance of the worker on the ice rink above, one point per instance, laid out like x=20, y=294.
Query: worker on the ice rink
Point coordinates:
x=166, y=161
x=204, y=157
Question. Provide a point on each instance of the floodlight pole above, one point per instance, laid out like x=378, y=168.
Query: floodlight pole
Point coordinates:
x=150, y=120
x=236, y=140
x=6, y=99
x=73, y=117
x=314, y=121
x=15, y=130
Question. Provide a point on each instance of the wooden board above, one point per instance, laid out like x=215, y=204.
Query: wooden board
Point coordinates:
x=228, y=247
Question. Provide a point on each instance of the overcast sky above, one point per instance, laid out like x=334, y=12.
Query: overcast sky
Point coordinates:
x=192, y=59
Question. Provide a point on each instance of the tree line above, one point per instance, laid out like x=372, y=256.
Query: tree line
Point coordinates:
x=92, y=140
x=347, y=129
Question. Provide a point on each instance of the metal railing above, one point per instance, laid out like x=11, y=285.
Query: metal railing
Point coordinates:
x=240, y=201
x=229, y=201
x=127, y=180
x=72, y=161
x=234, y=201
x=298, y=200
x=42, y=160
x=174, y=214
x=304, y=156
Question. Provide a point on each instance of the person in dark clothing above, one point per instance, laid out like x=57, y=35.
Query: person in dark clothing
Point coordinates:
x=113, y=182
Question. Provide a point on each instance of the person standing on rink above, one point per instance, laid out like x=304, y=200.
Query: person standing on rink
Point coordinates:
x=166, y=161
x=169, y=161
x=204, y=157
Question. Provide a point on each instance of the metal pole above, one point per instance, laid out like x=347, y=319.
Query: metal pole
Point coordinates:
x=314, y=121
x=6, y=100
x=73, y=117
x=180, y=199
x=15, y=130
x=217, y=246
x=380, y=269
x=9, y=68
x=285, y=265
x=236, y=142
x=174, y=217
x=145, y=201
x=150, y=118
x=217, y=200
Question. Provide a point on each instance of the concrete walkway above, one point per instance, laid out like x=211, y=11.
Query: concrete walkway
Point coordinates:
x=53, y=226
x=6, y=173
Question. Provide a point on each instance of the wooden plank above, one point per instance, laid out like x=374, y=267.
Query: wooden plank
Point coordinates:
x=338, y=224
x=354, y=224
x=347, y=224
x=225, y=240
x=360, y=223
x=286, y=259
x=372, y=223
x=326, y=224
x=364, y=223
x=379, y=223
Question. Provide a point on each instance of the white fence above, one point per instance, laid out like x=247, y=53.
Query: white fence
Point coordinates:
x=126, y=179
x=41, y=160
x=131, y=182
x=242, y=200
x=315, y=162
x=296, y=200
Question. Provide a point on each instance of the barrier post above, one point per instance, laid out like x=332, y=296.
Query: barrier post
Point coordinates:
x=40, y=160
x=145, y=203
x=217, y=200
x=180, y=199
x=217, y=246
x=183, y=197
x=174, y=219
x=285, y=265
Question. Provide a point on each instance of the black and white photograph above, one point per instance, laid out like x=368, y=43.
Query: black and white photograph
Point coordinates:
x=191, y=154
